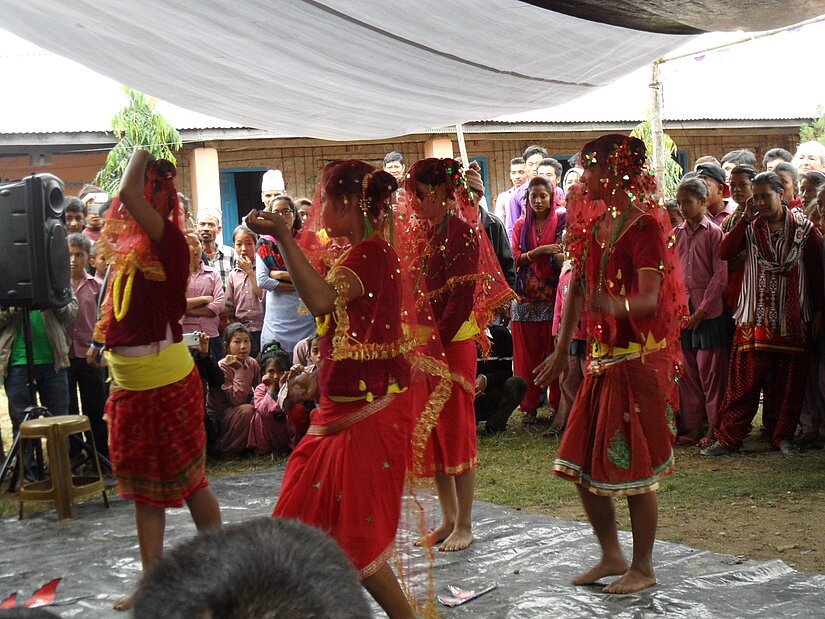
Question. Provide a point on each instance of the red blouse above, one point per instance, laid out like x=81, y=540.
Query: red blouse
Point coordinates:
x=363, y=350
x=642, y=246
x=154, y=305
x=450, y=274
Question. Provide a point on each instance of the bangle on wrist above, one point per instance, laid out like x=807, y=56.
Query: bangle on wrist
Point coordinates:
x=529, y=257
x=627, y=305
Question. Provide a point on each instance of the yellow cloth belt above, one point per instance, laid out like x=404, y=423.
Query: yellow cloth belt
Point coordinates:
x=468, y=329
x=170, y=365
x=368, y=396
x=599, y=349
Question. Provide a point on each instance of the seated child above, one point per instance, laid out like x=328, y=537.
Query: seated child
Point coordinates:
x=230, y=405
x=269, y=429
x=300, y=392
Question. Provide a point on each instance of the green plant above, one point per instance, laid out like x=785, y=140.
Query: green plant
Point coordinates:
x=816, y=130
x=137, y=125
x=674, y=171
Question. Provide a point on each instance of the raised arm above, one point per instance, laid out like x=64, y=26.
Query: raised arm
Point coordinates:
x=131, y=194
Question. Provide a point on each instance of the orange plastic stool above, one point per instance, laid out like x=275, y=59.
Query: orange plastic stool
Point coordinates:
x=61, y=487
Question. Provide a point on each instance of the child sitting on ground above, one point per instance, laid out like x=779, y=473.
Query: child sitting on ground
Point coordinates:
x=298, y=397
x=230, y=405
x=269, y=428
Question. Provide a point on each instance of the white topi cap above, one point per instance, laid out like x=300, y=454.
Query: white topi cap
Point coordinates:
x=273, y=180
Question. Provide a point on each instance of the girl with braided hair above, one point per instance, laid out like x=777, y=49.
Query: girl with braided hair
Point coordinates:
x=347, y=474
x=627, y=289
x=459, y=274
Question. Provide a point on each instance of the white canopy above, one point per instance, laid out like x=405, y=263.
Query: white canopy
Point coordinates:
x=339, y=69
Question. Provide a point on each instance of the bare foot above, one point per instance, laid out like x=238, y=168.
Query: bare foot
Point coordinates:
x=530, y=418
x=605, y=567
x=633, y=580
x=459, y=539
x=436, y=536
x=125, y=603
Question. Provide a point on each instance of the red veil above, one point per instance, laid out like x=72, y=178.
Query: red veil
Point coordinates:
x=627, y=172
x=490, y=290
x=430, y=384
x=128, y=247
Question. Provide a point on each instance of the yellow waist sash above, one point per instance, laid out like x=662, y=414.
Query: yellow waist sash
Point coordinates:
x=170, y=365
x=368, y=396
x=598, y=349
x=468, y=329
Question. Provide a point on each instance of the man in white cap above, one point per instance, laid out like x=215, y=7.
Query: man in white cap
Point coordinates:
x=221, y=257
x=272, y=185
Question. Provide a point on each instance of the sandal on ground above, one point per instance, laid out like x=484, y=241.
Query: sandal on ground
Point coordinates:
x=787, y=448
x=553, y=432
x=530, y=418
x=716, y=450
x=705, y=442
x=685, y=441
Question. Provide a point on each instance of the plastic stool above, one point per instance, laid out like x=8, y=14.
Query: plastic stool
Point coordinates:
x=62, y=487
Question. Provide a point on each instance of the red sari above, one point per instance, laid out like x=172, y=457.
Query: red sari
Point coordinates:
x=346, y=476
x=622, y=426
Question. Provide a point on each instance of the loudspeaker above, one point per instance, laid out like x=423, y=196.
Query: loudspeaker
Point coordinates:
x=34, y=257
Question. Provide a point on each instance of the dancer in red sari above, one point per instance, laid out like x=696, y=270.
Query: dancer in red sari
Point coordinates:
x=347, y=474
x=155, y=411
x=627, y=287
x=460, y=276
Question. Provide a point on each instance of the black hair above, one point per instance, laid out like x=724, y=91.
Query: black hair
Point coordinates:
x=393, y=156
x=815, y=178
x=517, y=161
x=278, y=356
x=266, y=567
x=687, y=175
x=706, y=159
x=545, y=182
x=535, y=149
x=299, y=202
x=87, y=189
x=552, y=162
x=73, y=205
x=776, y=153
x=749, y=171
x=243, y=229
x=76, y=239
x=772, y=179
x=296, y=219
x=229, y=332
x=787, y=167
x=227, y=304
x=673, y=205
x=740, y=156
x=696, y=187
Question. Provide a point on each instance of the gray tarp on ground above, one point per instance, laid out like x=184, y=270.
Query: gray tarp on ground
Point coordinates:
x=531, y=556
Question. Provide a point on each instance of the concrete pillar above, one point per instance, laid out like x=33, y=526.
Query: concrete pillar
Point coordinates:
x=440, y=147
x=206, y=185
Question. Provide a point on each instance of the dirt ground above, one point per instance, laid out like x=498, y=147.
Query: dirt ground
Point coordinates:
x=790, y=527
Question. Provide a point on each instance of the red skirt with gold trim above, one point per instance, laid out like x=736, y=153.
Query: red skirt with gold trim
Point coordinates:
x=620, y=434
x=346, y=476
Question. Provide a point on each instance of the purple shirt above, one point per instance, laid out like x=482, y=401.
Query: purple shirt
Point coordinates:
x=722, y=215
x=82, y=327
x=249, y=309
x=206, y=282
x=706, y=274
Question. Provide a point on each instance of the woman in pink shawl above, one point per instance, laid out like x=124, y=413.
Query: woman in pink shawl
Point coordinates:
x=537, y=249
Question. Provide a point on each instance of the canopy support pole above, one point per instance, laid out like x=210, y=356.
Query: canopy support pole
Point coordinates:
x=657, y=127
x=462, y=146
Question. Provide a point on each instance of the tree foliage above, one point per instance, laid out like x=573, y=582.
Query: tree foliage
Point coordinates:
x=137, y=125
x=816, y=130
x=673, y=174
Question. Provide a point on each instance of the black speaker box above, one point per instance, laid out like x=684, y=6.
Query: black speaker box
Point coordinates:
x=34, y=257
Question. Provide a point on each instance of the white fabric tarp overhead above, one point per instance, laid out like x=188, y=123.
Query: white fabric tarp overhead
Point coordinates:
x=338, y=69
